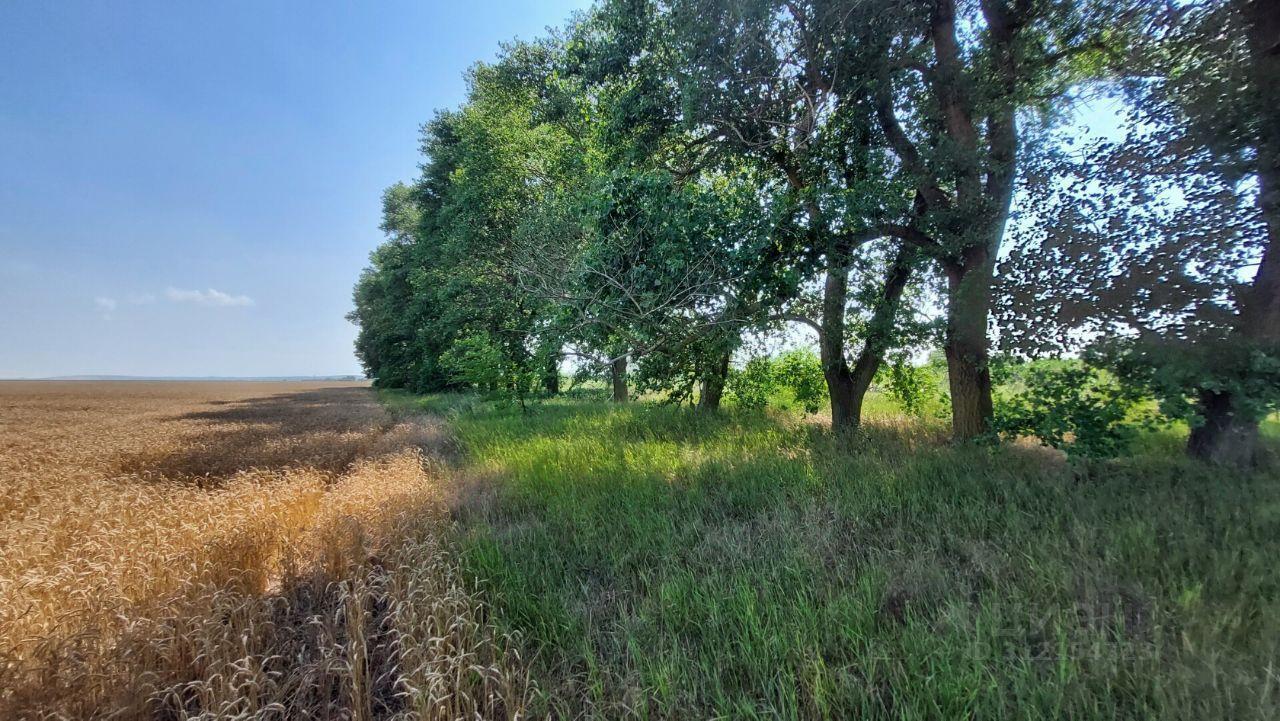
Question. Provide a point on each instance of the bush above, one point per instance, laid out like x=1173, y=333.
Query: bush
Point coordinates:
x=752, y=385
x=476, y=360
x=801, y=372
x=1074, y=408
x=907, y=384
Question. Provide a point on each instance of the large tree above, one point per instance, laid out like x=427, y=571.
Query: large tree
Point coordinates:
x=952, y=88
x=776, y=84
x=655, y=254
x=1172, y=230
x=386, y=344
x=442, y=295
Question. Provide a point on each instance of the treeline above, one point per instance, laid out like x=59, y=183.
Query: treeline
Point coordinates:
x=655, y=182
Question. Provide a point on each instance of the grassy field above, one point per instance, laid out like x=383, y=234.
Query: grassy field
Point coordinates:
x=658, y=563
x=222, y=550
x=232, y=550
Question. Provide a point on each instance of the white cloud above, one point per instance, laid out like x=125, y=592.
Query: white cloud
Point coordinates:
x=209, y=297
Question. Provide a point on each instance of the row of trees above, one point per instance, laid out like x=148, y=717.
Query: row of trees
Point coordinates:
x=657, y=180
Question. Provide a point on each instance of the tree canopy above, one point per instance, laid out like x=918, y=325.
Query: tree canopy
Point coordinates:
x=650, y=183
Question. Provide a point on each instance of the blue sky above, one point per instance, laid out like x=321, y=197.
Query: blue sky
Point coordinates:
x=192, y=188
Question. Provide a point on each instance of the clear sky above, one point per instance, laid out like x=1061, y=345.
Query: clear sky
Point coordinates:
x=192, y=188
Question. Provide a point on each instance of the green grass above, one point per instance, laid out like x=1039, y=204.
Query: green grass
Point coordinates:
x=660, y=563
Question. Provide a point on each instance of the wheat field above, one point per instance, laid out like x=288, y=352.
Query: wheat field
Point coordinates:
x=233, y=550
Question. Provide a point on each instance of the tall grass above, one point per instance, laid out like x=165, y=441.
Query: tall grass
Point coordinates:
x=661, y=563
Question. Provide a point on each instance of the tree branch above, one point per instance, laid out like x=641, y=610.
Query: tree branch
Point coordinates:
x=798, y=318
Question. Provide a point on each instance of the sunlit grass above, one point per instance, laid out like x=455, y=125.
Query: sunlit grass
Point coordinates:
x=660, y=562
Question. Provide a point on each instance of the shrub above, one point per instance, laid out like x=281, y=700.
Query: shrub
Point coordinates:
x=907, y=384
x=801, y=372
x=752, y=385
x=1074, y=408
x=476, y=360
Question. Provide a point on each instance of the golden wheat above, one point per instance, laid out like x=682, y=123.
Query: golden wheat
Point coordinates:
x=229, y=550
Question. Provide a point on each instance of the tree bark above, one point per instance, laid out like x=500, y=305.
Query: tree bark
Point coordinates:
x=1228, y=433
x=1260, y=305
x=880, y=328
x=847, y=387
x=968, y=374
x=970, y=270
x=551, y=375
x=713, y=384
x=618, y=374
x=845, y=410
x=1225, y=437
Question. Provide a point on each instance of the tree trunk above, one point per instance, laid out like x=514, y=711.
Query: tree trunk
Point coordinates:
x=713, y=384
x=1260, y=306
x=551, y=375
x=845, y=411
x=969, y=274
x=1225, y=437
x=1228, y=434
x=618, y=374
x=880, y=330
x=968, y=374
x=847, y=387
x=846, y=404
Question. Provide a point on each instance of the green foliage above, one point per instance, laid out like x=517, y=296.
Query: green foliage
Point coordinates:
x=657, y=254
x=659, y=180
x=1075, y=408
x=910, y=385
x=800, y=370
x=476, y=361
x=753, y=384
x=1168, y=370
x=439, y=307
x=479, y=362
